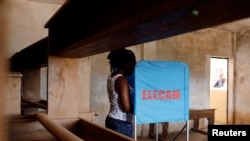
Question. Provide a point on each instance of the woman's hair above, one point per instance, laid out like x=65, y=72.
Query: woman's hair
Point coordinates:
x=118, y=58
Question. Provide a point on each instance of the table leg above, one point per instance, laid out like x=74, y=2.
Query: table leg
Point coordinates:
x=210, y=121
x=196, y=124
x=151, y=133
x=164, y=136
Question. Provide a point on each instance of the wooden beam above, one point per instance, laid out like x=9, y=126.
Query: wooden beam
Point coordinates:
x=34, y=55
x=61, y=133
x=74, y=33
x=34, y=103
x=86, y=129
x=107, y=19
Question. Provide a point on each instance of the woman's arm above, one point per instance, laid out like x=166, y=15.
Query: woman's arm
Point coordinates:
x=122, y=88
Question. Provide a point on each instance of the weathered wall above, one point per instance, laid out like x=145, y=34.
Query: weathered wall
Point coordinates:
x=195, y=49
x=12, y=93
x=242, y=78
x=26, y=20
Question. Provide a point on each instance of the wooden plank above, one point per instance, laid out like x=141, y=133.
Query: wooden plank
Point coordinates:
x=34, y=55
x=194, y=114
x=107, y=19
x=55, y=129
x=197, y=114
x=128, y=23
x=25, y=128
x=34, y=103
x=93, y=132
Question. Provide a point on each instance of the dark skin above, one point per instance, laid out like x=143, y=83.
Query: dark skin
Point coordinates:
x=122, y=86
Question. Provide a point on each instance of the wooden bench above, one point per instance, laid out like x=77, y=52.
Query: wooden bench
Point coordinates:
x=195, y=115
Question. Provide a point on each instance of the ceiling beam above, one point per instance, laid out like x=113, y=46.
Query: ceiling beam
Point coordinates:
x=79, y=31
x=33, y=56
x=76, y=24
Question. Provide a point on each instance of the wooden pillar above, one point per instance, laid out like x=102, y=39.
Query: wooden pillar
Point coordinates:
x=63, y=87
x=164, y=136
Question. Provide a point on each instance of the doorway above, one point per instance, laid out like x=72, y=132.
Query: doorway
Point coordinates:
x=219, y=88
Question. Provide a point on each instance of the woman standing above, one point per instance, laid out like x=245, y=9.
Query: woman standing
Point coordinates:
x=120, y=116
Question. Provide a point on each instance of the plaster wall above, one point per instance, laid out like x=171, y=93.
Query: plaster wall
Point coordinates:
x=242, y=78
x=31, y=83
x=26, y=20
x=195, y=49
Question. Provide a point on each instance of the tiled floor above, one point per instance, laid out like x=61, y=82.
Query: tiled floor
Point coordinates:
x=193, y=136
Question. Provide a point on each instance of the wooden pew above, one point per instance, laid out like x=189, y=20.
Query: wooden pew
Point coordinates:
x=35, y=103
x=93, y=132
x=61, y=133
x=86, y=130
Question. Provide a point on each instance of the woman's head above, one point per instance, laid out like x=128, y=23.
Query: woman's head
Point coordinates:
x=122, y=59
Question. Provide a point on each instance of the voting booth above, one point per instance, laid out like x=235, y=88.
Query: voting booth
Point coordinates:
x=161, y=92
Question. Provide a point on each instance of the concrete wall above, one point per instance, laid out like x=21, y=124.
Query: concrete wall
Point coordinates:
x=26, y=19
x=242, y=78
x=195, y=49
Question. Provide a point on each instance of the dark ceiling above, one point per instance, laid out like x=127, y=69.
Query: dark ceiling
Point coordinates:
x=82, y=28
x=89, y=27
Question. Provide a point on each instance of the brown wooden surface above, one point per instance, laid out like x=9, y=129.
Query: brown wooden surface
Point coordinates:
x=33, y=129
x=34, y=55
x=197, y=114
x=194, y=114
x=34, y=103
x=85, y=28
x=90, y=131
x=58, y=131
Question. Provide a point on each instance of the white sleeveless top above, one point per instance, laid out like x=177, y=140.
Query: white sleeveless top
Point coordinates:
x=115, y=110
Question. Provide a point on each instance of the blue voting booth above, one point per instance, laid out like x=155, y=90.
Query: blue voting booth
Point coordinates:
x=161, y=92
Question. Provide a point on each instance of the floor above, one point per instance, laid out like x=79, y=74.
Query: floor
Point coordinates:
x=193, y=136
